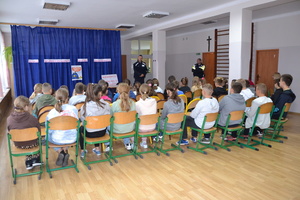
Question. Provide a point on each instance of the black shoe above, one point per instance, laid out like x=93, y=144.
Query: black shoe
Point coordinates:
x=36, y=162
x=66, y=159
x=60, y=159
x=28, y=164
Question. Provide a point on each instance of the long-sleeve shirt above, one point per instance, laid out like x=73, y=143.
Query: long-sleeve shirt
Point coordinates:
x=171, y=107
x=146, y=107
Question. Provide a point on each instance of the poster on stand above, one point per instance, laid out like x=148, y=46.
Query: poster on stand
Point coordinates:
x=76, y=72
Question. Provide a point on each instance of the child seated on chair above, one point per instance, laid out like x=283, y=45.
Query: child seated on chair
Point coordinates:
x=174, y=105
x=151, y=85
x=246, y=92
x=177, y=88
x=79, y=94
x=21, y=118
x=109, y=94
x=62, y=137
x=131, y=94
x=232, y=102
x=37, y=93
x=287, y=96
x=145, y=106
x=263, y=120
x=184, y=85
x=156, y=86
x=278, y=90
x=124, y=104
x=195, y=120
x=93, y=106
x=219, y=90
x=46, y=99
x=196, y=84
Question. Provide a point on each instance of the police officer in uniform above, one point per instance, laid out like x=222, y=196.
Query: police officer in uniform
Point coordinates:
x=140, y=70
x=198, y=68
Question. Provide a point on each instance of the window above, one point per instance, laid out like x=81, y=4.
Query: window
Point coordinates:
x=142, y=47
x=4, y=75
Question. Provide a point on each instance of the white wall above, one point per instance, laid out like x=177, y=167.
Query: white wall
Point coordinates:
x=283, y=34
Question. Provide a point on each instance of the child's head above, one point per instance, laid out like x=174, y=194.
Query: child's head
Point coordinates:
x=243, y=82
x=261, y=89
x=46, y=88
x=136, y=87
x=155, y=83
x=207, y=90
x=65, y=87
x=145, y=91
x=94, y=92
x=123, y=89
x=236, y=88
x=172, y=92
x=21, y=104
x=127, y=81
x=37, y=88
x=176, y=85
x=150, y=82
x=79, y=88
x=232, y=82
x=286, y=81
x=61, y=96
x=219, y=81
x=171, y=79
x=276, y=75
x=196, y=81
x=276, y=83
x=184, y=81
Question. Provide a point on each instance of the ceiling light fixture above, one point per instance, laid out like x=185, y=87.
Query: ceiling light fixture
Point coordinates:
x=48, y=21
x=55, y=5
x=126, y=26
x=156, y=14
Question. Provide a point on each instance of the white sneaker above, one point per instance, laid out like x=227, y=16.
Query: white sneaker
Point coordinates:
x=107, y=149
x=159, y=138
x=144, y=145
x=128, y=146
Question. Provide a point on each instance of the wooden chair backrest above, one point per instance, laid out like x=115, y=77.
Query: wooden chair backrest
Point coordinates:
x=160, y=95
x=221, y=97
x=210, y=117
x=236, y=115
x=197, y=93
x=149, y=119
x=175, y=117
x=43, y=109
x=287, y=107
x=184, y=98
x=137, y=97
x=266, y=108
x=192, y=104
x=107, y=101
x=160, y=104
x=156, y=98
x=249, y=102
x=42, y=116
x=97, y=122
x=133, y=99
x=79, y=105
x=63, y=123
x=188, y=94
x=124, y=117
x=23, y=135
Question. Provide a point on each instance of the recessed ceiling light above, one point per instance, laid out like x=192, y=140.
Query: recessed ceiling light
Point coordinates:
x=126, y=26
x=156, y=14
x=56, y=5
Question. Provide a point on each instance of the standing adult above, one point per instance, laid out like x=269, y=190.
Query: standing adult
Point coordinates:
x=140, y=70
x=198, y=68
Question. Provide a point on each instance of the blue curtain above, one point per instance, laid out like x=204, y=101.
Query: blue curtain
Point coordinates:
x=58, y=43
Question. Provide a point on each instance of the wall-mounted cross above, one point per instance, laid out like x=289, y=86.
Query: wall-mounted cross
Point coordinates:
x=208, y=41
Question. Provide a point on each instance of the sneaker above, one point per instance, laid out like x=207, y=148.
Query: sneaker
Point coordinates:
x=82, y=154
x=224, y=138
x=97, y=152
x=66, y=159
x=259, y=134
x=230, y=138
x=144, y=145
x=128, y=146
x=107, y=149
x=36, y=162
x=28, y=164
x=205, y=141
x=183, y=142
x=60, y=159
x=155, y=139
x=193, y=139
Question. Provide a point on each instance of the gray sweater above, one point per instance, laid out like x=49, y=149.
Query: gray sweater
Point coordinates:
x=171, y=107
x=229, y=103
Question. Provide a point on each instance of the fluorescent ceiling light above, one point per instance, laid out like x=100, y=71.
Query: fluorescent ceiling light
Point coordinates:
x=56, y=5
x=156, y=14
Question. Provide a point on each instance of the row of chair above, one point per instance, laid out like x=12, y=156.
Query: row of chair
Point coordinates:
x=98, y=122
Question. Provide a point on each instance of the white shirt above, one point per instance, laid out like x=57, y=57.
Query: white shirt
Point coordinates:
x=263, y=120
x=146, y=107
x=247, y=94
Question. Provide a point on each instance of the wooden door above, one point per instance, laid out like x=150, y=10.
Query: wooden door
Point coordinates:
x=208, y=59
x=266, y=66
x=124, y=67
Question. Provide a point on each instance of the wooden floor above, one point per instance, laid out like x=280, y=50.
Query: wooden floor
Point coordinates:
x=270, y=173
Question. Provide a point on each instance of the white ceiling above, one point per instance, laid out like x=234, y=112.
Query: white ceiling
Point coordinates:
x=109, y=13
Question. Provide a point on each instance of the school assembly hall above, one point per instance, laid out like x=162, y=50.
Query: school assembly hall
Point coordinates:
x=172, y=99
